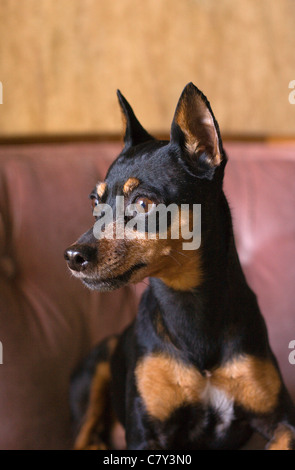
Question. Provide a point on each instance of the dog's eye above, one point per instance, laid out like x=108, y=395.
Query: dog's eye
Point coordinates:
x=144, y=204
x=94, y=202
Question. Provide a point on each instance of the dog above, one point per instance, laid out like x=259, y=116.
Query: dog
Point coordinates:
x=195, y=369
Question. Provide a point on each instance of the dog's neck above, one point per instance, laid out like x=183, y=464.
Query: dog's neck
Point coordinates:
x=197, y=322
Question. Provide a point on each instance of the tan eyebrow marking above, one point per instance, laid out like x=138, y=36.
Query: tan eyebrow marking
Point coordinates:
x=100, y=189
x=130, y=185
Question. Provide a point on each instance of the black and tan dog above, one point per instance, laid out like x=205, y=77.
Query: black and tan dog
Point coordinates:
x=195, y=369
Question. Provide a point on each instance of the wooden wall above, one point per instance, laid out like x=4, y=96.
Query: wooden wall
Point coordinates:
x=61, y=62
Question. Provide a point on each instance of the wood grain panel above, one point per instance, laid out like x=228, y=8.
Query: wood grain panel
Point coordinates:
x=61, y=62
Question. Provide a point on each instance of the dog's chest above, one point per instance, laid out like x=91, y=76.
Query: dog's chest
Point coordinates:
x=168, y=387
x=172, y=390
x=215, y=401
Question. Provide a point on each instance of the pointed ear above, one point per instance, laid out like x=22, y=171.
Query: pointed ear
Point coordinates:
x=196, y=131
x=134, y=132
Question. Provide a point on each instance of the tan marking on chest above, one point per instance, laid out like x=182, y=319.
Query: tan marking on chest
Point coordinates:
x=165, y=384
x=253, y=383
x=130, y=185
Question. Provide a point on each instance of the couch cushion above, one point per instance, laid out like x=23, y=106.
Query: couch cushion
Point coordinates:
x=48, y=320
x=260, y=184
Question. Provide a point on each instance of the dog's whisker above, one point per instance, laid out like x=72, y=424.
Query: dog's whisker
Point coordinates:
x=144, y=282
x=180, y=253
x=175, y=259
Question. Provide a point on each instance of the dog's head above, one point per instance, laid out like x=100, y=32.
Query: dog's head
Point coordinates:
x=153, y=182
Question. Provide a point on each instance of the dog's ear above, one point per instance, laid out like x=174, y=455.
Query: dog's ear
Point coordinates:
x=134, y=132
x=195, y=130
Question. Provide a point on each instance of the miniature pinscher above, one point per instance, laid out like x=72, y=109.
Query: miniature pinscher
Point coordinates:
x=195, y=369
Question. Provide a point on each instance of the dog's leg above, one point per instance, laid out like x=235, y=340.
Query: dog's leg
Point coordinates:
x=283, y=439
x=256, y=387
x=138, y=435
x=90, y=397
x=278, y=426
x=138, y=430
x=93, y=427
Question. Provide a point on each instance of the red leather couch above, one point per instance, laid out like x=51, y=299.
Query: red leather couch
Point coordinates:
x=48, y=320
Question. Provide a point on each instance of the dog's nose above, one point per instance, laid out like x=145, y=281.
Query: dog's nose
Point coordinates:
x=80, y=257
